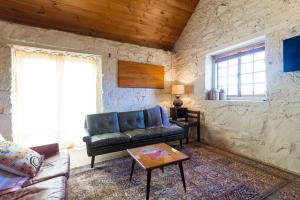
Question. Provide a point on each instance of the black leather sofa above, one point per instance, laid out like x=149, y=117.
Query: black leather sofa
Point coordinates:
x=110, y=132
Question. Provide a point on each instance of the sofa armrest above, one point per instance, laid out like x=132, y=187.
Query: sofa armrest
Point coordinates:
x=87, y=139
x=178, y=123
x=47, y=150
x=182, y=125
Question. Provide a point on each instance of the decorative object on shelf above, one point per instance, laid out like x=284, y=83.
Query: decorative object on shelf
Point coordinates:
x=213, y=94
x=139, y=75
x=177, y=90
x=222, y=95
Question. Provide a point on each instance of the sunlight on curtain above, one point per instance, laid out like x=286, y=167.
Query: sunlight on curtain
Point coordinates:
x=52, y=94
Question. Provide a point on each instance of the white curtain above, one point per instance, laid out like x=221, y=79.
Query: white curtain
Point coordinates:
x=52, y=94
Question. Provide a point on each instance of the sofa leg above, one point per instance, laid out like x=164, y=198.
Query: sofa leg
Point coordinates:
x=187, y=134
x=92, y=162
x=180, y=143
x=198, y=132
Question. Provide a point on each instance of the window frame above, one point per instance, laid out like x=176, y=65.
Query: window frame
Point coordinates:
x=249, y=50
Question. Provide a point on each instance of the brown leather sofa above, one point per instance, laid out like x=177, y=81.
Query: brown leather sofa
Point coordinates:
x=51, y=180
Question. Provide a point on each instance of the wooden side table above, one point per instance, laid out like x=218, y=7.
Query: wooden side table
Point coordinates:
x=186, y=118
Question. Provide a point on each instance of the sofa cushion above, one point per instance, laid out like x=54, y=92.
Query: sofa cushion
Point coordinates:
x=107, y=139
x=131, y=120
x=142, y=134
x=54, y=166
x=102, y=123
x=10, y=182
x=50, y=189
x=171, y=130
x=153, y=117
x=19, y=160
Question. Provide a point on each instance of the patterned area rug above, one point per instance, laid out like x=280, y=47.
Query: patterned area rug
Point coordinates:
x=210, y=174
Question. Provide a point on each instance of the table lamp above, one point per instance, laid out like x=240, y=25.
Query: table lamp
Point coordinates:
x=177, y=90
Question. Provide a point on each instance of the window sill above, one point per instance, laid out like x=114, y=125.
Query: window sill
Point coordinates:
x=257, y=99
x=243, y=100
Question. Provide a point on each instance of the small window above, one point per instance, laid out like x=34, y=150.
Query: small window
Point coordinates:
x=242, y=73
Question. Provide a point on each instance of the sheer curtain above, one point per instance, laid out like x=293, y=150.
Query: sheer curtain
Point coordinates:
x=52, y=94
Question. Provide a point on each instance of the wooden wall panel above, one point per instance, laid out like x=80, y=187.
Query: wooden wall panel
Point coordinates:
x=138, y=75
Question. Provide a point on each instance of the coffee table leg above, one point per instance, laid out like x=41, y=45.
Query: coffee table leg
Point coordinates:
x=132, y=168
x=162, y=169
x=148, y=183
x=182, y=175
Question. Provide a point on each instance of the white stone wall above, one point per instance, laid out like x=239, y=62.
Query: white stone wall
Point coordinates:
x=268, y=131
x=114, y=98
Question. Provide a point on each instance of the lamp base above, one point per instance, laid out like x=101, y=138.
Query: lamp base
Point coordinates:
x=177, y=102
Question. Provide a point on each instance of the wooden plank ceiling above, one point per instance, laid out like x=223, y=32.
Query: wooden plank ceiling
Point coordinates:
x=152, y=23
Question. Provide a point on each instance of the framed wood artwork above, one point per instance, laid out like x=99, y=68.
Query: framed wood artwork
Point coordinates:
x=139, y=75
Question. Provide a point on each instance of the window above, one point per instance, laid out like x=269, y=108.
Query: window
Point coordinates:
x=242, y=73
x=52, y=94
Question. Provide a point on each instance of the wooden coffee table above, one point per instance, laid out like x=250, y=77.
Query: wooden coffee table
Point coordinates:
x=156, y=156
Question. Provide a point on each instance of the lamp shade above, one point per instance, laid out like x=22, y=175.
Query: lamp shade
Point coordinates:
x=177, y=89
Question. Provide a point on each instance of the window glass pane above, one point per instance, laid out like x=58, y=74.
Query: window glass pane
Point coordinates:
x=259, y=55
x=232, y=80
x=223, y=71
x=223, y=80
x=232, y=90
x=260, y=77
x=247, y=58
x=222, y=64
x=233, y=70
x=246, y=68
x=259, y=89
x=233, y=61
x=247, y=89
x=259, y=66
x=246, y=78
x=223, y=87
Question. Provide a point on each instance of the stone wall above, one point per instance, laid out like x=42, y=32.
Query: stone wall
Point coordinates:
x=114, y=98
x=268, y=131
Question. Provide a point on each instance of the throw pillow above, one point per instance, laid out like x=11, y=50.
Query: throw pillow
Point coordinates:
x=18, y=160
x=153, y=117
x=165, y=116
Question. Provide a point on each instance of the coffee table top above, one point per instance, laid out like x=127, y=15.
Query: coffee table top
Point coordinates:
x=156, y=155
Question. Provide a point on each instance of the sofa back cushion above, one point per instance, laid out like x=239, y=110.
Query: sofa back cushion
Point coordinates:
x=153, y=117
x=102, y=123
x=131, y=120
